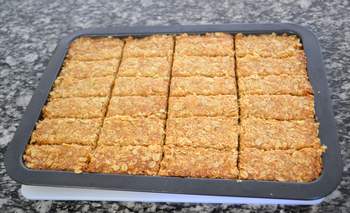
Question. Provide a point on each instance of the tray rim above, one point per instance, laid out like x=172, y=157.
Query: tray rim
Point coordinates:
x=324, y=185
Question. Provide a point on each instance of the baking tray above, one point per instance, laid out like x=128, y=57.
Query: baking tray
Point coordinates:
x=319, y=188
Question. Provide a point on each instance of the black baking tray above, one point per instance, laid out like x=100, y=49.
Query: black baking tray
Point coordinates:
x=317, y=189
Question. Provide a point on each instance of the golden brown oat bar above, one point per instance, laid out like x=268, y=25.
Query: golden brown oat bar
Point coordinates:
x=69, y=157
x=125, y=130
x=256, y=65
x=67, y=130
x=210, y=44
x=272, y=45
x=280, y=107
x=93, y=107
x=205, y=132
x=141, y=86
x=88, y=69
x=223, y=105
x=198, y=162
x=88, y=87
x=185, y=66
x=138, y=106
x=182, y=86
x=86, y=48
x=274, y=85
x=156, y=45
x=145, y=67
x=303, y=165
x=273, y=134
x=126, y=159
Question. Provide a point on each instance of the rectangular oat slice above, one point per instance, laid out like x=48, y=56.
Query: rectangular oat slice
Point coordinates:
x=88, y=69
x=188, y=106
x=126, y=130
x=77, y=107
x=136, y=106
x=67, y=131
x=136, y=160
x=257, y=65
x=273, y=134
x=275, y=85
x=198, y=162
x=210, y=44
x=86, y=48
x=149, y=46
x=89, y=87
x=267, y=45
x=145, y=67
x=205, y=132
x=67, y=157
x=140, y=86
x=186, y=66
x=182, y=86
x=280, y=107
x=304, y=165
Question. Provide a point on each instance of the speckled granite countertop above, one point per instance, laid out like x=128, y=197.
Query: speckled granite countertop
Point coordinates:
x=30, y=30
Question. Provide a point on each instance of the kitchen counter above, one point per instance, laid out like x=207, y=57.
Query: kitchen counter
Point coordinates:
x=30, y=30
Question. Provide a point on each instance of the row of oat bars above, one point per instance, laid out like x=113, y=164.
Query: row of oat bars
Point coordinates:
x=201, y=139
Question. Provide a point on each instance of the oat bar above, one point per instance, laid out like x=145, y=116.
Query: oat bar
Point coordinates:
x=140, y=86
x=93, y=107
x=274, y=85
x=86, y=48
x=141, y=160
x=205, y=132
x=89, y=87
x=185, y=66
x=224, y=105
x=272, y=45
x=210, y=44
x=138, y=106
x=68, y=157
x=274, y=134
x=125, y=130
x=280, y=107
x=182, y=86
x=303, y=165
x=66, y=130
x=199, y=162
x=145, y=67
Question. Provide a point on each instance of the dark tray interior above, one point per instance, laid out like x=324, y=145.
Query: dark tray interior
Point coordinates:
x=319, y=188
